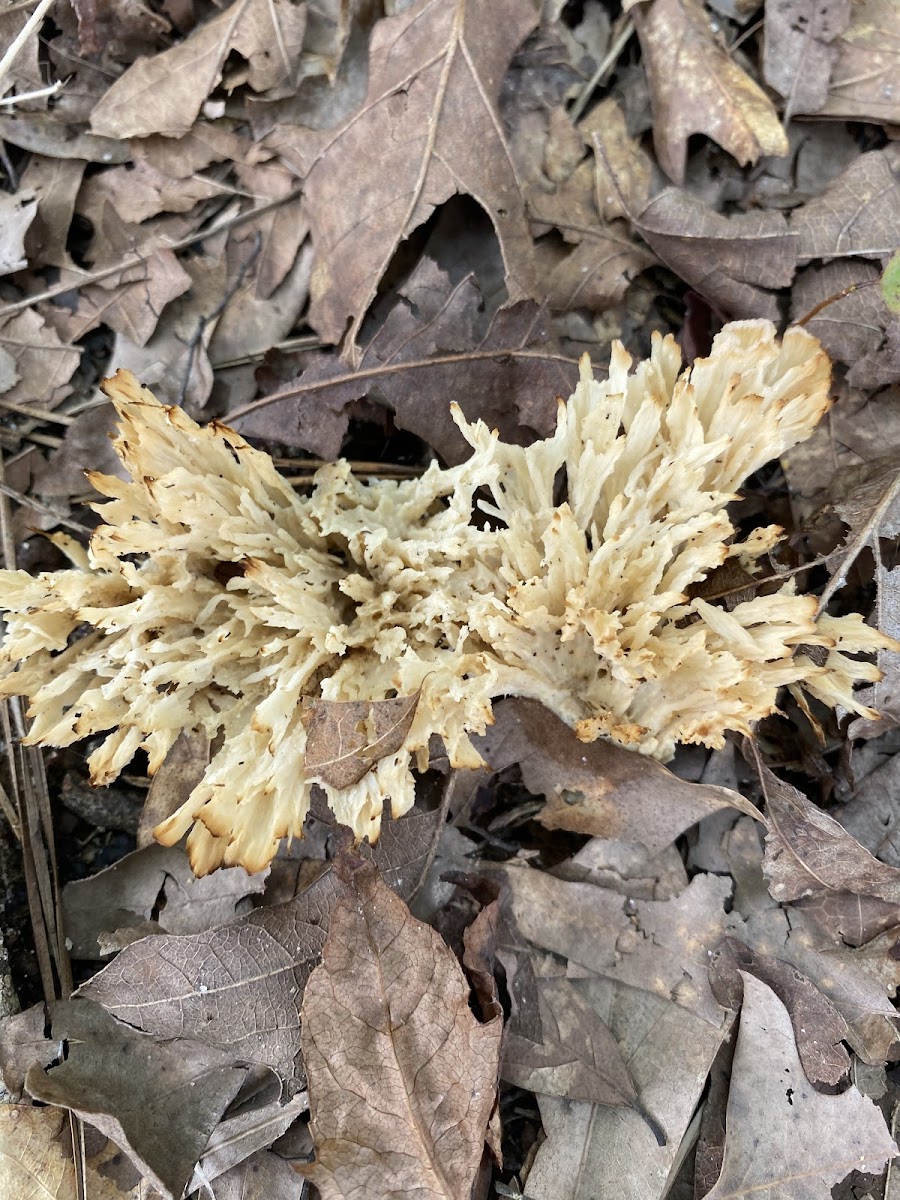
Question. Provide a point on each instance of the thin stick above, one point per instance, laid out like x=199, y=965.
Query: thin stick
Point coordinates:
x=18, y=43
x=609, y=61
x=37, y=94
x=30, y=502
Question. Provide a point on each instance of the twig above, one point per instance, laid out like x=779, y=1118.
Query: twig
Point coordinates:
x=18, y=43
x=391, y=368
x=609, y=61
x=38, y=94
x=133, y=259
x=30, y=502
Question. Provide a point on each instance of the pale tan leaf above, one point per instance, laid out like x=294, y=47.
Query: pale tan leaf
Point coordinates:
x=785, y=1140
x=696, y=87
x=16, y=214
x=345, y=739
x=37, y=1161
x=402, y=1075
x=864, y=78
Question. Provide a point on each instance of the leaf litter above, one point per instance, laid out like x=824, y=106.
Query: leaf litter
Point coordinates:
x=324, y=223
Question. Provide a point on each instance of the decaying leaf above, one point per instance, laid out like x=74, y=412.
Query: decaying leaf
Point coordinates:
x=434, y=348
x=857, y=214
x=735, y=262
x=807, y=851
x=575, y=1057
x=863, y=83
x=592, y=1151
x=429, y=128
x=402, y=1075
x=158, y=1102
x=164, y=93
x=819, y=1029
x=785, y=1140
x=697, y=87
x=363, y=592
x=599, y=789
x=38, y=1161
x=859, y=982
x=344, y=739
x=157, y=880
x=798, y=50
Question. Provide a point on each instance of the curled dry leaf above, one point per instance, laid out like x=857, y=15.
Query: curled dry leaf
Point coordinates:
x=697, y=87
x=402, y=1075
x=598, y=789
x=344, y=739
x=164, y=93
x=784, y=1140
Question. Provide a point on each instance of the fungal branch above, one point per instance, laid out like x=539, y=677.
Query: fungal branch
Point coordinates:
x=326, y=638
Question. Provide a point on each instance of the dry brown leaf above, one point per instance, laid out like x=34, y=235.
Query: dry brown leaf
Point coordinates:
x=784, y=1140
x=164, y=93
x=44, y=363
x=658, y=946
x=857, y=215
x=23, y=1042
x=574, y=1056
x=344, y=739
x=38, y=1164
x=153, y=880
x=429, y=128
x=857, y=981
x=157, y=1101
x=42, y=133
x=798, y=50
x=808, y=852
x=864, y=78
x=254, y=1126
x=239, y=986
x=596, y=1153
x=402, y=1075
x=696, y=87
x=434, y=347
x=857, y=329
x=55, y=183
x=263, y=1176
x=598, y=788
x=819, y=1028
x=735, y=262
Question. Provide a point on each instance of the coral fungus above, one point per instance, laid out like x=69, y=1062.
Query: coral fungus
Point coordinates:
x=220, y=601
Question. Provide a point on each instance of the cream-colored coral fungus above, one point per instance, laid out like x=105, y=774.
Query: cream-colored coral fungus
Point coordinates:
x=218, y=600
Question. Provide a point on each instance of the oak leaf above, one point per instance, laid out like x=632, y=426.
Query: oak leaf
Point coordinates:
x=429, y=128
x=863, y=85
x=402, y=1075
